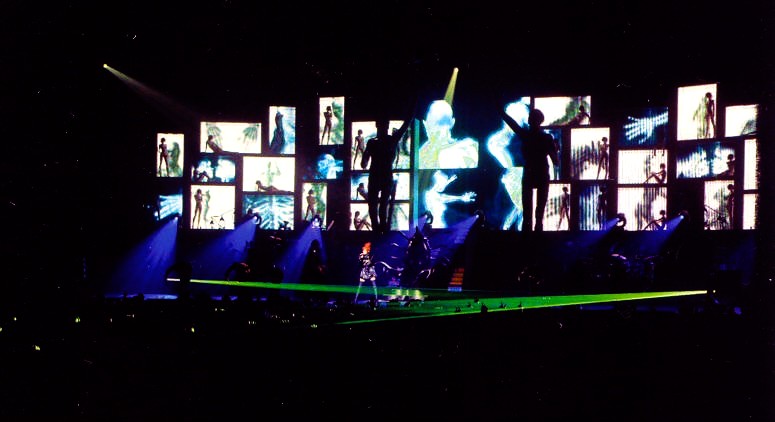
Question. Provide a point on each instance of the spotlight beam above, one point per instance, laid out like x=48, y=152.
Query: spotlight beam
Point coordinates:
x=162, y=102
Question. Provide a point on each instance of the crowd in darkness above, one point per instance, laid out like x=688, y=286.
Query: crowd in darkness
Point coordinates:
x=137, y=358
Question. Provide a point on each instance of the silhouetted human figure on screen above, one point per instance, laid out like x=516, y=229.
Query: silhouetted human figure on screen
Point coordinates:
x=582, y=118
x=359, y=223
x=436, y=200
x=360, y=145
x=602, y=206
x=602, y=160
x=278, y=137
x=564, y=207
x=659, y=223
x=381, y=151
x=730, y=171
x=213, y=144
x=311, y=204
x=164, y=157
x=198, y=198
x=705, y=115
x=658, y=176
x=536, y=146
x=362, y=194
x=328, y=116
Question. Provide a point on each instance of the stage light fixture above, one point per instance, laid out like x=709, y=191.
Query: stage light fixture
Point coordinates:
x=621, y=220
x=317, y=221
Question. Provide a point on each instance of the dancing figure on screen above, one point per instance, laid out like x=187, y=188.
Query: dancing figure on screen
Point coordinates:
x=602, y=160
x=328, y=117
x=564, y=208
x=705, y=116
x=442, y=150
x=278, y=137
x=537, y=145
x=359, y=144
x=658, y=176
x=311, y=205
x=436, y=200
x=198, y=199
x=368, y=273
x=602, y=206
x=164, y=157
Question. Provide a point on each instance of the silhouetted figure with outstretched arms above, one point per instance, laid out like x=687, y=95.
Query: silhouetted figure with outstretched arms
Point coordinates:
x=536, y=145
x=381, y=152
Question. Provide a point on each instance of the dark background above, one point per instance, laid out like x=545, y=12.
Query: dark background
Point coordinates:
x=63, y=114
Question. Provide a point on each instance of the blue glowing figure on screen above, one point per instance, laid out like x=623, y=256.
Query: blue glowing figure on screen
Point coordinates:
x=436, y=199
x=442, y=150
x=499, y=146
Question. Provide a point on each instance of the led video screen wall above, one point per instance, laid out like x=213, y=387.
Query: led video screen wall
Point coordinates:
x=451, y=165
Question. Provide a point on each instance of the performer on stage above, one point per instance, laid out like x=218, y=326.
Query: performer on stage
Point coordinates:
x=368, y=273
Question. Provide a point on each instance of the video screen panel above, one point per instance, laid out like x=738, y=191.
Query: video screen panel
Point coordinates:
x=331, y=122
x=170, y=152
x=328, y=165
x=558, y=207
x=741, y=120
x=444, y=147
x=168, y=205
x=751, y=165
x=282, y=130
x=641, y=205
x=719, y=205
x=361, y=133
x=645, y=128
x=214, y=168
x=404, y=147
x=449, y=195
x=242, y=138
x=314, y=202
x=275, y=211
x=705, y=160
x=593, y=207
x=275, y=175
x=212, y=207
x=750, y=211
x=643, y=166
x=561, y=111
x=696, y=112
x=590, y=153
